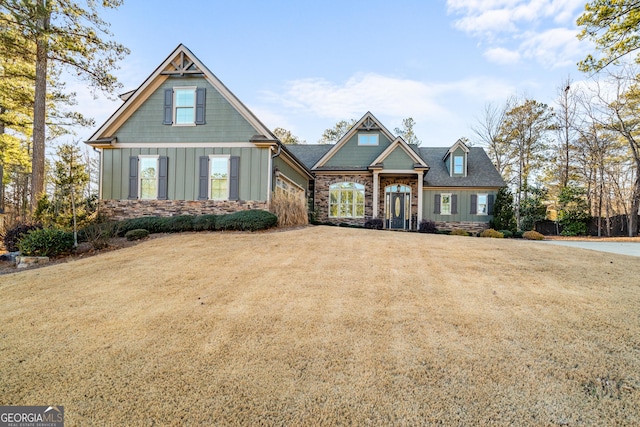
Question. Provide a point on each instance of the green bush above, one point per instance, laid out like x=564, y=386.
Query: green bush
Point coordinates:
x=137, y=234
x=427, y=226
x=490, y=232
x=178, y=224
x=458, y=232
x=532, y=235
x=154, y=224
x=205, y=222
x=251, y=220
x=518, y=234
x=13, y=234
x=46, y=242
x=507, y=233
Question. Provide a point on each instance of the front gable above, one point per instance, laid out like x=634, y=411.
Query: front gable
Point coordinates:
x=360, y=146
x=148, y=113
x=398, y=157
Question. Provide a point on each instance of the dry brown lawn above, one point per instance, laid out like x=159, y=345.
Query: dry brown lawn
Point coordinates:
x=327, y=326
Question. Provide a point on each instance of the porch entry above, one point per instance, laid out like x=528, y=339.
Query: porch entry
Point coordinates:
x=397, y=206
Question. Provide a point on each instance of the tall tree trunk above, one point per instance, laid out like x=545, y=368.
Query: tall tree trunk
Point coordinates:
x=39, y=112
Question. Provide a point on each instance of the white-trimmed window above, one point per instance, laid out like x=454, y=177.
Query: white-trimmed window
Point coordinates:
x=368, y=139
x=482, y=206
x=445, y=204
x=184, y=106
x=458, y=165
x=286, y=186
x=346, y=200
x=219, y=177
x=148, y=177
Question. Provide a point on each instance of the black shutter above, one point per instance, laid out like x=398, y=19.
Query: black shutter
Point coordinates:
x=474, y=204
x=203, y=179
x=436, y=204
x=163, y=181
x=454, y=204
x=168, y=107
x=490, y=201
x=133, y=177
x=200, y=104
x=234, y=178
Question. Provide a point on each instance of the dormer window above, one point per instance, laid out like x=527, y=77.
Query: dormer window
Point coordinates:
x=368, y=139
x=458, y=165
x=185, y=106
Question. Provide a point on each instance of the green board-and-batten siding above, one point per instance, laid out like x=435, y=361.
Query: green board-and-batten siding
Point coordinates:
x=463, y=202
x=352, y=155
x=183, y=169
x=223, y=123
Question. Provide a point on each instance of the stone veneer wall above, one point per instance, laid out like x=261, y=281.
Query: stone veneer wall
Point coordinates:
x=322, y=183
x=472, y=227
x=123, y=209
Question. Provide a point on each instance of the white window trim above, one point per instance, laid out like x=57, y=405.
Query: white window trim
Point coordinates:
x=486, y=199
x=369, y=134
x=442, y=212
x=175, y=105
x=218, y=156
x=148, y=156
x=294, y=188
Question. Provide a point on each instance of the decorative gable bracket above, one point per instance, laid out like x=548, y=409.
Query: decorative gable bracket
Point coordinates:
x=182, y=65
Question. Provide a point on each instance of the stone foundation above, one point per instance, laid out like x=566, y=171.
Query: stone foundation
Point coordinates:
x=124, y=209
x=471, y=227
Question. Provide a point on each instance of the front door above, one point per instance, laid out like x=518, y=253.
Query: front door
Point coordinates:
x=397, y=210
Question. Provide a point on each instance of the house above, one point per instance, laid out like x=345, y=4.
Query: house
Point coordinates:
x=183, y=143
x=370, y=173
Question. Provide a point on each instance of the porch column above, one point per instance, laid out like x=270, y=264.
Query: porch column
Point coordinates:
x=376, y=193
x=420, y=182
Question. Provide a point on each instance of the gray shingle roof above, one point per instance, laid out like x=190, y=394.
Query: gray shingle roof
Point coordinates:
x=481, y=172
x=309, y=154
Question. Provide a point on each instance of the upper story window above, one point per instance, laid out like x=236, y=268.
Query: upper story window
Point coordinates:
x=148, y=176
x=458, y=165
x=368, y=139
x=185, y=106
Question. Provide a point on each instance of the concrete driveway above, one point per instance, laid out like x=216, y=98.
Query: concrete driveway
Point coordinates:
x=622, y=248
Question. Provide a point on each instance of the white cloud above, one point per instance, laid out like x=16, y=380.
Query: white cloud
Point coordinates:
x=502, y=56
x=547, y=26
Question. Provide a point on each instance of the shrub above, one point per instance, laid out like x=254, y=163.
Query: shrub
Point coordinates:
x=490, y=232
x=251, y=220
x=518, y=234
x=46, y=242
x=13, y=234
x=205, y=222
x=458, y=232
x=98, y=234
x=532, y=235
x=154, y=224
x=507, y=233
x=136, y=234
x=177, y=224
x=427, y=226
x=290, y=209
x=374, y=224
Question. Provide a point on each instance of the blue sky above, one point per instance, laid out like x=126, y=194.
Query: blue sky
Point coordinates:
x=305, y=65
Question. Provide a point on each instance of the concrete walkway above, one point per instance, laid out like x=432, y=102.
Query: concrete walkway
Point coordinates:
x=622, y=248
